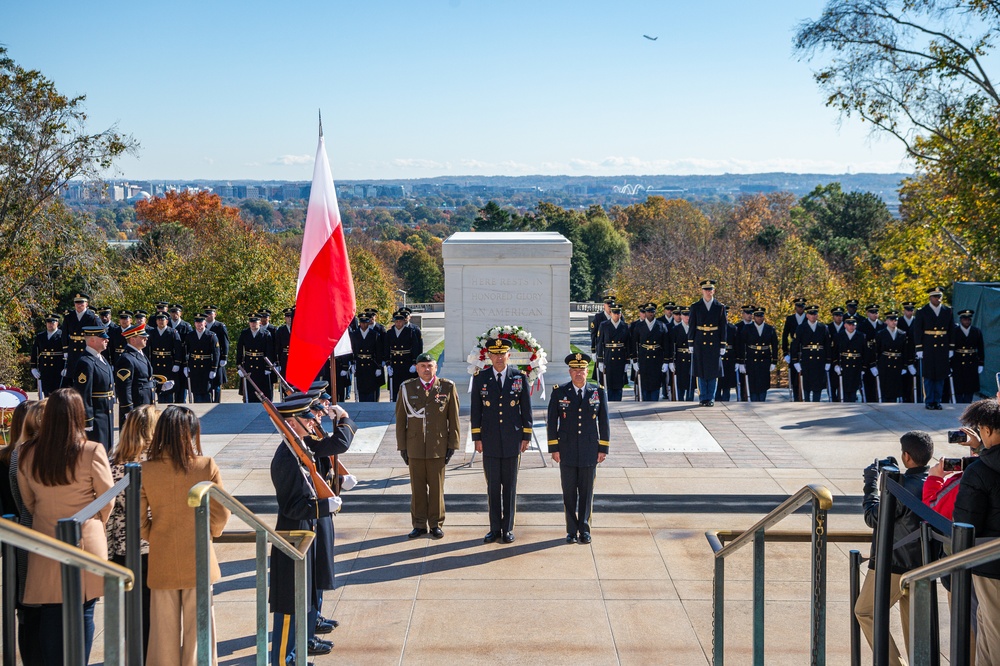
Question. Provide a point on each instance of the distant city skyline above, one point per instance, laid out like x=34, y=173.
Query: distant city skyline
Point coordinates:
x=217, y=91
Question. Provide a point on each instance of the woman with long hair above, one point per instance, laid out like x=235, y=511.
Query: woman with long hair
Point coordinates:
x=133, y=443
x=59, y=473
x=173, y=466
x=13, y=439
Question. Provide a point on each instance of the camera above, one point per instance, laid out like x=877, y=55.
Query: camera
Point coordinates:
x=885, y=462
x=955, y=464
x=957, y=437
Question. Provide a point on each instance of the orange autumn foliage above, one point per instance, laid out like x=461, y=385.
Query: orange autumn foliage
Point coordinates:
x=202, y=212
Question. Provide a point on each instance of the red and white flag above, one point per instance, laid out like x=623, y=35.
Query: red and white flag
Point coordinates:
x=324, y=301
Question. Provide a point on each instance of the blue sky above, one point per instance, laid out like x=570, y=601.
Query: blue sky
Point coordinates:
x=447, y=87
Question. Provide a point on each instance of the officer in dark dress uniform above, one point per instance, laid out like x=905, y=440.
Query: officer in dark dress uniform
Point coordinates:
x=811, y=354
x=202, y=362
x=757, y=354
x=283, y=340
x=47, y=356
x=906, y=323
x=648, y=350
x=74, y=344
x=706, y=336
x=367, y=347
x=222, y=334
x=834, y=328
x=595, y=327
x=932, y=346
x=869, y=326
x=727, y=382
x=253, y=346
x=612, y=353
x=116, y=339
x=134, y=385
x=852, y=309
x=891, y=360
x=501, y=423
x=579, y=439
x=680, y=363
x=792, y=323
x=967, y=363
x=93, y=378
x=851, y=359
x=166, y=353
x=669, y=308
x=403, y=344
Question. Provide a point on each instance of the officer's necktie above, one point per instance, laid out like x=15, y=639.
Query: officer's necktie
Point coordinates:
x=500, y=380
x=579, y=394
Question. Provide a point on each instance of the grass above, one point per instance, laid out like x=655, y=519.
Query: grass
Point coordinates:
x=436, y=351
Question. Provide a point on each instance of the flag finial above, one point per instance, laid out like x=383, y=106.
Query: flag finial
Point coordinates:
x=321, y=123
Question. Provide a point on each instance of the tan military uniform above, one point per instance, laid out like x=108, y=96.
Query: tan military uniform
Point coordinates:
x=426, y=428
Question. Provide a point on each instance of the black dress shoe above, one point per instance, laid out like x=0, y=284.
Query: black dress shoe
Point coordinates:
x=702, y=403
x=508, y=537
x=570, y=538
x=334, y=623
x=491, y=537
x=937, y=405
x=710, y=403
x=437, y=533
x=585, y=537
x=417, y=531
x=324, y=626
x=318, y=647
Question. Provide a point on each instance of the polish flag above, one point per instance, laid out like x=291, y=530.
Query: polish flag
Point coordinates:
x=324, y=301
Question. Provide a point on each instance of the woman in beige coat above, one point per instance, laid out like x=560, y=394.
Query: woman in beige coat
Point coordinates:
x=60, y=472
x=174, y=465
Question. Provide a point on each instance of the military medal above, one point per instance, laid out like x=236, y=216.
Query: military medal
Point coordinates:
x=513, y=402
x=487, y=403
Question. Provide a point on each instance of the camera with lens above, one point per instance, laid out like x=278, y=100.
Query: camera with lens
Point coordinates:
x=889, y=461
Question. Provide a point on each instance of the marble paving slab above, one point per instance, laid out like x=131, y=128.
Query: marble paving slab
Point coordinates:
x=368, y=437
x=672, y=437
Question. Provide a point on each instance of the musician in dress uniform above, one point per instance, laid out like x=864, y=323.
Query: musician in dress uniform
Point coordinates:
x=932, y=341
x=706, y=336
x=834, y=328
x=649, y=353
x=93, y=378
x=811, y=353
x=222, y=334
x=73, y=341
x=891, y=360
x=501, y=424
x=757, y=354
x=612, y=353
x=852, y=359
x=116, y=339
x=253, y=346
x=134, y=385
x=967, y=363
x=427, y=435
x=367, y=347
x=728, y=379
x=403, y=344
x=680, y=358
x=906, y=324
x=47, y=357
x=166, y=353
x=870, y=325
x=792, y=323
x=578, y=439
x=202, y=361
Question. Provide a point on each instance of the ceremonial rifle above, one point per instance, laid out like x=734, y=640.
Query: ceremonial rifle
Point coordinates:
x=951, y=385
x=878, y=388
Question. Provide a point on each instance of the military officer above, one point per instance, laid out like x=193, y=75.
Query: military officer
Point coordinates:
x=501, y=424
x=93, y=378
x=967, y=363
x=134, y=385
x=757, y=355
x=373, y=315
x=870, y=325
x=202, y=362
x=427, y=435
x=403, y=344
x=668, y=314
x=253, y=346
x=728, y=379
x=265, y=321
x=595, y=326
x=578, y=439
x=47, y=357
x=142, y=317
x=906, y=324
x=648, y=351
x=283, y=340
x=680, y=359
x=73, y=341
x=891, y=360
x=670, y=311
x=222, y=334
x=367, y=347
x=810, y=352
x=612, y=353
x=345, y=370
x=116, y=339
x=792, y=323
x=706, y=336
x=932, y=341
x=166, y=353
x=852, y=359
x=835, y=326
x=852, y=309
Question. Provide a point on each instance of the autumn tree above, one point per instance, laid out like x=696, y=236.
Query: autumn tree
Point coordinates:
x=570, y=224
x=422, y=277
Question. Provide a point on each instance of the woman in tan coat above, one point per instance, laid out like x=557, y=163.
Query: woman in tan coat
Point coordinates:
x=174, y=465
x=60, y=472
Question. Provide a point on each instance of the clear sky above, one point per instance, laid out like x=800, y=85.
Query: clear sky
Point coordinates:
x=420, y=88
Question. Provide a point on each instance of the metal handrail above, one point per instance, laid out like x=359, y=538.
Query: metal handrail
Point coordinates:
x=822, y=500
x=198, y=499
x=117, y=580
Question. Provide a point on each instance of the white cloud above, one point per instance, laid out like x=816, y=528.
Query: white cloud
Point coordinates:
x=418, y=163
x=208, y=160
x=292, y=160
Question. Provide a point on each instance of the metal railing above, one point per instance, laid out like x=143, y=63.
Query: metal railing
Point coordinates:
x=117, y=580
x=198, y=499
x=821, y=500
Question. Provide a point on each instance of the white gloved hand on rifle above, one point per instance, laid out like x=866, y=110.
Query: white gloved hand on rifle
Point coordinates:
x=222, y=363
x=773, y=367
x=240, y=372
x=874, y=371
x=664, y=367
x=388, y=370
x=167, y=385
x=413, y=368
x=337, y=412
x=175, y=369
x=798, y=367
x=335, y=503
x=349, y=482
x=211, y=374
x=600, y=367
x=836, y=369
x=37, y=375
x=672, y=367
x=378, y=372
x=343, y=373
x=187, y=372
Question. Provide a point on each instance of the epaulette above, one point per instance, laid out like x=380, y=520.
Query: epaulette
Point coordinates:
x=476, y=372
x=555, y=386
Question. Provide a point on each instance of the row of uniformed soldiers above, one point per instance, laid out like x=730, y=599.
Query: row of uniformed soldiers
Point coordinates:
x=381, y=356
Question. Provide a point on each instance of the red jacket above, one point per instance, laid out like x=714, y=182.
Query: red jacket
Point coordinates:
x=944, y=503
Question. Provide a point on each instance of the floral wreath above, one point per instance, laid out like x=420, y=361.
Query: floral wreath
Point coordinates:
x=521, y=341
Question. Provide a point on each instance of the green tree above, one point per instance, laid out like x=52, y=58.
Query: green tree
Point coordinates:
x=606, y=249
x=843, y=226
x=494, y=218
x=570, y=224
x=421, y=275
x=259, y=212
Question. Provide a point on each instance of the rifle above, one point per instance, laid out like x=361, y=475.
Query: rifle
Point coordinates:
x=638, y=386
x=878, y=388
x=739, y=387
x=40, y=393
x=190, y=395
x=285, y=386
x=951, y=385
x=843, y=398
x=791, y=387
x=292, y=441
x=829, y=390
x=673, y=377
x=802, y=389
x=745, y=380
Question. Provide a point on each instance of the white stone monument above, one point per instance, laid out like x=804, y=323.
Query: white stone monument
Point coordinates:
x=506, y=279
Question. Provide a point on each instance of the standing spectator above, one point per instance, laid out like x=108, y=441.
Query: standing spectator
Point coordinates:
x=13, y=439
x=60, y=472
x=175, y=464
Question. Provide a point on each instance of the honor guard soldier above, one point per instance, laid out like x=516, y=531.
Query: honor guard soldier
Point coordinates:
x=706, y=336
x=757, y=355
x=932, y=346
x=669, y=308
x=810, y=352
x=852, y=309
x=142, y=317
x=283, y=340
x=668, y=318
x=834, y=328
x=649, y=353
x=202, y=361
x=166, y=353
x=94, y=380
x=906, y=324
x=612, y=353
x=265, y=321
x=134, y=385
x=116, y=337
x=595, y=325
x=402, y=348
x=729, y=378
x=501, y=424
x=680, y=361
x=891, y=360
x=72, y=334
x=252, y=347
x=579, y=439
x=182, y=328
x=373, y=316
x=367, y=346
x=851, y=360
x=746, y=318
x=967, y=363
x=792, y=323
x=222, y=333
x=104, y=318
x=47, y=357
x=869, y=326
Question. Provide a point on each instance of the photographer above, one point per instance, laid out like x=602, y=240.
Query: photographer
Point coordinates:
x=978, y=504
x=916, y=451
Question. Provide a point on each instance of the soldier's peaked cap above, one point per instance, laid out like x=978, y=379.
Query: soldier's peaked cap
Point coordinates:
x=141, y=313
x=649, y=307
x=297, y=407
x=577, y=360
x=708, y=284
x=837, y=311
x=210, y=308
x=398, y=314
x=318, y=385
x=685, y=311
x=812, y=309
x=52, y=317
x=892, y=314
x=159, y=315
x=935, y=291
x=616, y=309
x=851, y=301
x=872, y=308
x=851, y=320
x=106, y=311
x=95, y=332
x=363, y=317
x=966, y=313
x=799, y=301
x=81, y=298
x=909, y=305
x=200, y=316
x=132, y=331
x=124, y=313
x=759, y=312
x=498, y=346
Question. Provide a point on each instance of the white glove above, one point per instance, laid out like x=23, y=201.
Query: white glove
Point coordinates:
x=722, y=351
x=980, y=370
x=354, y=368
x=740, y=368
x=167, y=385
x=267, y=373
x=211, y=374
x=827, y=367
x=338, y=412
x=920, y=355
x=664, y=367
x=635, y=365
x=343, y=373
x=788, y=359
x=90, y=429
x=672, y=367
x=600, y=366
x=349, y=482
x=240, y=372
x=222, y=363
x=773, y=367
x=277, y=369
x=836, y=369
x=911, y=370
x=62, y=373
x=690, y=350
x=905, y=371
x=187, y=372
x=378, y=373
x=950, y=353
x=798, y=367
x=175, y=368
x=65, y=356
x=874, y=372
x=335, y=503
x=413, y=368
x=388, y=370
x=37, y=375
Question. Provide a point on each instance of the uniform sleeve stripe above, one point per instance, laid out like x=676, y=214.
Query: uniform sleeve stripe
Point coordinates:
x=475, y=430
x=603, y=442
x=553, y=441
x=527, y=430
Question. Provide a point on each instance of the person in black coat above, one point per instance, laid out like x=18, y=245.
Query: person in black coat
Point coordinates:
x=612, y=354
x=134, y=385
x=222, y=334
x=890, y=359
x=728, y=379
x=811, y=354
x=706, y=335
x=403, y=344
x=501, y=423
x=967, y=363
x=680, y=359
x=73, y=341
x=649, y=345
x=578, y=439
x=851, y=359
x=792, y=323
x=252, y=347
x=283, y=340
x=368, y=349
x=932, y=346
x=47, y=356
x=834, y=328
x=116, y=342
x=94, y=380
x=870, y=325
x=906, y=323
x=667, y=318
x=757, y=354
x=595, y=326
x=166, y=353
x=299, y=508
x=202, y=362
